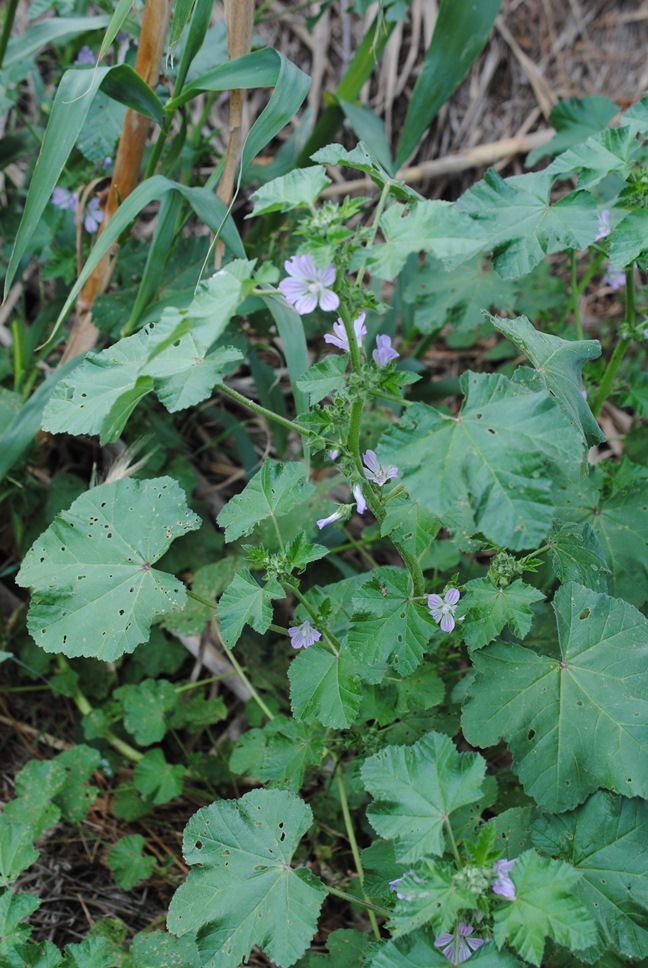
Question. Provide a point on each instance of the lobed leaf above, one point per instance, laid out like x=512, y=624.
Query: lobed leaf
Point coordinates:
x=490, y=608
x=275, y=490
x=245, y=602
x=325, y=686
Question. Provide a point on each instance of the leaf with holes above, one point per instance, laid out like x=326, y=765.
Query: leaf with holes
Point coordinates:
x=243, y=891
x=489, y=608
x=94, y=590
x=415, y=788
x=576, y=555
x=577, y=722
x=388, y=628
x=546, y=906
x=607, y=841
x=495, y=462
x=275, y=490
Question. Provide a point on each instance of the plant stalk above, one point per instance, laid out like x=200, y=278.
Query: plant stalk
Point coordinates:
x=268, y=414
x=348, y=823
x=620, y=348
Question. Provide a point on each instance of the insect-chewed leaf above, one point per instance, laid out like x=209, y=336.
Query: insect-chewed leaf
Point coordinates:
x=94, y=590
x=243, y=890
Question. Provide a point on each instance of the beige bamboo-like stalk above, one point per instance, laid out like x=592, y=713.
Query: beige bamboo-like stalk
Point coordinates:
x=239, y=16
x=155, y=23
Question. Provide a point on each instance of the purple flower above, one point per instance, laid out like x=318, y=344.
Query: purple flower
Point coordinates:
x=340, y=338
x=443, y=609
x=331, y=518
x=645, y=334
x=603, y=225
x=85, y=57
x=458, y=946
x=373, y=471
x=383, y=354
x=63, y=198
x=302, y=636
x=93, y=215
x=334, y=454
x=107, y=162
x=308, y=285
x=503, y=885
x=361, y=504
x=614, y=278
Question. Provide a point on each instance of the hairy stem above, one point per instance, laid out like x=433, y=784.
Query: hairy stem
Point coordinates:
x=620, y=348
x=348, y=823
x=268, y=414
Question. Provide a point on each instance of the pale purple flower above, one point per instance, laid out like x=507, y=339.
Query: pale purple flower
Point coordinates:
x=85, y=57
x=614, y=278
x=458, y=946
x=93, y=215
x=384, y=353
x=302, y=636
x=583, y=393
x=393, y=885
x=331, y=518
x=645, y=334
x=503, y=885
x=374, y=472
x=308, y=285
x=107, y=162
x=603, y=225
x=443, y=609
x=361, y=504
x=334, y=454
x=63, y=198
x=339, y=337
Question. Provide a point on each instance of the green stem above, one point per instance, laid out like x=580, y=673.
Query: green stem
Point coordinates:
x=330, y=638
x=383, y=912
x=362, y=551
x=354, y=847
x=85, y=709
x=591, y=270
x=384, y=195
x=9, y=17
x=158, y=147
x=230, y=655
x=201, y=682
x=268, y=414
x=575, y=294
x=399, y=401
x=620, y=348
x=453, y=843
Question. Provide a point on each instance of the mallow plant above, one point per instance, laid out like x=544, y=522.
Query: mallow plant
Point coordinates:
x=453, y=588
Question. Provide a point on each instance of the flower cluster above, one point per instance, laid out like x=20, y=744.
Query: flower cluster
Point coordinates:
x=443, y=609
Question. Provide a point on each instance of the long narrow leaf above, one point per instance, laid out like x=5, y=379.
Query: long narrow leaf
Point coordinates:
x=70, y=109
x=56, y=29
x=116, y=22
x=293, y=339
x=204, y=203
x=123, y=84
x=461, y=30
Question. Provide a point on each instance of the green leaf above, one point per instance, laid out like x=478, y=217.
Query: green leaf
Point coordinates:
x=575, y=724
x=197, y=712
x=95, y=950
x=606, y=840
x=435, y=227
x=15, y=908
x=54, y=31
x=430, y=896
x=415, y=788
x=411, y=524
x=157, y=949
x=325, y=686
x=245, y=602
x=523, y=227
x=30, y=955
x=169, y=357
x=619, y=521
x=298, y=189
x=76, y=797
x=628, y=240
x=546, y=906
x=125, y=85
x=460, y=33
x=279, y=753
x=36, y=786
x=157, y=779
x=388, y=628
x=243, y=891
x=494, y=462
x=613, y=150
x=323, y=379
x=16, y=849
x=574, y=120
x=275, y=490
x=300, y=552
x=576, y=555
x=559, y=364
x=101, y=129
x=126, y=862
x=94, y=591
x=361, y=159
x=146, y=706
x=489, y=608
x=346, y=949
x=458, y=296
